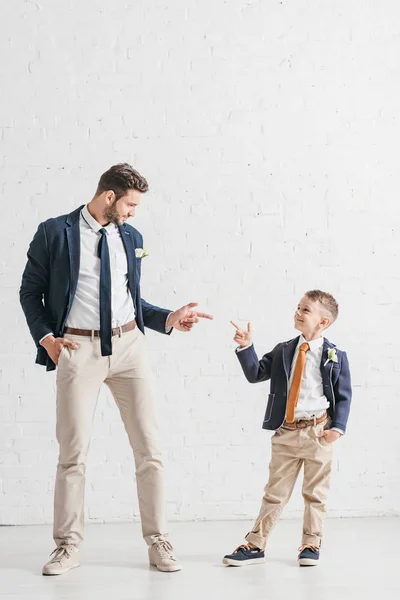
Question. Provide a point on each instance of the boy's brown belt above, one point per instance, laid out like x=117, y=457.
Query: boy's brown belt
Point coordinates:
x=302, y=423
x=93, y=332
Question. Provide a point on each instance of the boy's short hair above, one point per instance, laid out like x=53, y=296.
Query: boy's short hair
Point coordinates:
x=326, y=300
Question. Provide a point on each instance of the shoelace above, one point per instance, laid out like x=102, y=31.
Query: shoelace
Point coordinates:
x=244, y=547
x=61, y=554
x=164, y=549
x=301, y=548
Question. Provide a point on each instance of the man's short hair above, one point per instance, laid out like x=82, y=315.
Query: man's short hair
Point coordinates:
x=120, y=179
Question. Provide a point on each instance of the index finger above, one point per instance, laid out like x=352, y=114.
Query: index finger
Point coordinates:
x=204, y=315
x=234, y=324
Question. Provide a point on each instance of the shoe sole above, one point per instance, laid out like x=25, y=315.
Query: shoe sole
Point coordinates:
x=167, y=569
x=242, y=563
x=307, y=562
x=61, y=572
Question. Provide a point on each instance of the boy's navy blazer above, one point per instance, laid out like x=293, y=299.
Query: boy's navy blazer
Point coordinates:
x=51, y=275
x=276, y=366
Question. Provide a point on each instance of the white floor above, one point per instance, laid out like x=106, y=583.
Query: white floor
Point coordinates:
x=360, y=559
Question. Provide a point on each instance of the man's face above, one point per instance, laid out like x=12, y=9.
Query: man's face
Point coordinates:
x=309, y=317
x=120, y=210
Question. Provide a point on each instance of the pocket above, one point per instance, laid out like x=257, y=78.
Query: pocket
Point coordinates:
x=323, y=441
x=270, y=404
x=62, y=353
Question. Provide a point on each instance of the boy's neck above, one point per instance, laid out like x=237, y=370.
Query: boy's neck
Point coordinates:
x=309, y=337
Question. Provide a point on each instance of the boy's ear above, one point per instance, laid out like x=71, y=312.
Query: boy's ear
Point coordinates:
x=325, y=322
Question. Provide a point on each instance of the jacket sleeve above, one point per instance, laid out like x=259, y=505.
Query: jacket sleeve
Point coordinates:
x=343, y=393
x=34, y=285
x=256, y=370
x=155, y=317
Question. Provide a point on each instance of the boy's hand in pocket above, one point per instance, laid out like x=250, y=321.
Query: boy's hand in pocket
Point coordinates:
x=330, y=435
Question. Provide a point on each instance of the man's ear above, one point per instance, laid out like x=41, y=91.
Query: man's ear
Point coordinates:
x=110, y=197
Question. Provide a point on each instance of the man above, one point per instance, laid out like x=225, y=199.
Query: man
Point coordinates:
x=80, y=293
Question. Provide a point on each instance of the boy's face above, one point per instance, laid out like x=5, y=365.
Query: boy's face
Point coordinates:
x=310, y=318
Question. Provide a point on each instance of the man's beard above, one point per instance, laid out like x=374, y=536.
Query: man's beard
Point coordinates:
x=112, y=215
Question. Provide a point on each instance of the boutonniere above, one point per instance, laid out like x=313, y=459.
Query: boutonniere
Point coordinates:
x=141, y=253
x=332, y=356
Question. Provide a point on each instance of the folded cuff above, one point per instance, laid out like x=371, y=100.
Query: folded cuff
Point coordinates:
x=256, y=540
x=311, y=540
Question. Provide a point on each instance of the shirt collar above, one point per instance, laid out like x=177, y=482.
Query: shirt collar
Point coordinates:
x=314, y=344
x=93, y=224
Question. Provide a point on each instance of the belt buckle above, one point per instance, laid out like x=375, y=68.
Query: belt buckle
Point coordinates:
x=120, y=331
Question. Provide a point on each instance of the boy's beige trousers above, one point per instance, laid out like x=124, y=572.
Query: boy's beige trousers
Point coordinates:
x=291, y=449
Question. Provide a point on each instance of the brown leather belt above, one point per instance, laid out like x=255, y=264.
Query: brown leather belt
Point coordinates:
x=303, y=423
x=94, y=333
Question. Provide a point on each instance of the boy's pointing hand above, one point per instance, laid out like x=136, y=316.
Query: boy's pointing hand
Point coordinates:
x=242, y=336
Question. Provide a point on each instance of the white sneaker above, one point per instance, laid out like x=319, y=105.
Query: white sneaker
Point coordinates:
x=63, y=559
x=160, y=556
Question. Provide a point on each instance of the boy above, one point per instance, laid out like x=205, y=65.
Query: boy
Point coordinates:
x=308, y=408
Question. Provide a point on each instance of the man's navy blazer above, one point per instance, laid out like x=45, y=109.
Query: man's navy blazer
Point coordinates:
x=51, y=275
x=276, y=366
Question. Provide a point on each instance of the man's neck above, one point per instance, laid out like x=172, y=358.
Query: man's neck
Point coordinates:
x=97, y=214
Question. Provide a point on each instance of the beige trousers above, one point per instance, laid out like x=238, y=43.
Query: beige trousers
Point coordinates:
x=291, y=449
x=80, y=375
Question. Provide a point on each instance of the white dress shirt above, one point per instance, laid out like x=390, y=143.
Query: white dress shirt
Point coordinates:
x=85, y=309
x=311, y=398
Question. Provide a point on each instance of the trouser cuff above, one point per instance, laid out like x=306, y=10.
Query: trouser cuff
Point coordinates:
x=311, y=540
x=157, y=537
x=256, y=540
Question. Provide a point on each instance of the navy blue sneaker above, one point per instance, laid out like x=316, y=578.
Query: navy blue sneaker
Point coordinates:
x=308, y=557
x=243, y=556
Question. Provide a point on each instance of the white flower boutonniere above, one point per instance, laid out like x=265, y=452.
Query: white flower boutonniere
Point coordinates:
x=141, y=253
x=332, y=356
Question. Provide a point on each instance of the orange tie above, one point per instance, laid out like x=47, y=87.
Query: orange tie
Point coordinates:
x=296, y=383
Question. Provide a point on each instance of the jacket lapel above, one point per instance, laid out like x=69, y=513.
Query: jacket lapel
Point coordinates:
x=74, y=250
x=130, y=247
x=326, y=367
x=288, y=353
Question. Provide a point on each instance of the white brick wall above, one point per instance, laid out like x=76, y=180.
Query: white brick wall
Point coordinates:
x=269, y=134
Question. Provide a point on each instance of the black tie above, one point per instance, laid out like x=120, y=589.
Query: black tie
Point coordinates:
x=105, y=295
